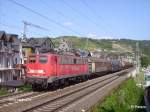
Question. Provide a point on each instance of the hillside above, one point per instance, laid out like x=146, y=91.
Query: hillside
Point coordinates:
x=86, y=43
x=125, y=46
x=122, y=45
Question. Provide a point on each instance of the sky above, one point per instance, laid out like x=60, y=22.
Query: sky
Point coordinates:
x=117, y=19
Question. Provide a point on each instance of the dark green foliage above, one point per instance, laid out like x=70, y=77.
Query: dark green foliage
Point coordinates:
x=145, y=47
x=26, y=88
x=3, y=91
x=123, y=99
x=145, y=61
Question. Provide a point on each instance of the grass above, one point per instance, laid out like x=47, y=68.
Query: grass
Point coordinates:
x=26, y=88
x=3, y=91
x=123, y=100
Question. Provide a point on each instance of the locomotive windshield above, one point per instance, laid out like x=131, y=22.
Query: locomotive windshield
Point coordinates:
x=32, y=59
x=43, y=59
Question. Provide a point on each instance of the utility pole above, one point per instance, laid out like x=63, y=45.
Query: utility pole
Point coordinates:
x=137, y=57
x=24, y=29
x=87, y=44
x=25, y=24
x=24, y=36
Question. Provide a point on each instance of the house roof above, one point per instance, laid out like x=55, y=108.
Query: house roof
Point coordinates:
x=8, y=37
x=11, y=37
x=38, y=41
x=2, y=35
x=26, y=44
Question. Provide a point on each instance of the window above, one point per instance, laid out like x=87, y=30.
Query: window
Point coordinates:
x=7, y=62
x=75, y=61
x=15, y=60
x=32, y=59
x=43, y=59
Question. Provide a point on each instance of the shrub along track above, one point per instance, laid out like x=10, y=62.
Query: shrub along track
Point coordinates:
x=62, y=99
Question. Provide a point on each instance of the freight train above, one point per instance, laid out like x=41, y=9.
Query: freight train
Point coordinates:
x=51, y=70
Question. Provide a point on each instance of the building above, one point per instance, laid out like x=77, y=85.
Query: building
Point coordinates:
x=36, y=45
x=27, y=50
x=65, y=45
x=147, y=76
x=9, y=58
x=41, y=45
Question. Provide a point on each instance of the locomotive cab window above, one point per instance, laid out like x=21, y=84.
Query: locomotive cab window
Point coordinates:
x=75, y=61
x=32, y=59
x=43, y=59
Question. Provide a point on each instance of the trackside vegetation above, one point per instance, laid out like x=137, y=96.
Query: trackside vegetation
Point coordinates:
x=127, y=98
x=26, y=88
x=3, y=91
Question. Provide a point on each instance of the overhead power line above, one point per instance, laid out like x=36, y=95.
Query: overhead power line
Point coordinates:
x=14, y=27
x=10, y=26
x=36, y=26
x=33, y=25
x=81, y=14
x=44, y=17
x=97, y=15
x=57, y=11
x=84, y=16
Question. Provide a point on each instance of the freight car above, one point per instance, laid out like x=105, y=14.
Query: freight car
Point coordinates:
x=51, y=70
x=99, y=66
x=115, y=65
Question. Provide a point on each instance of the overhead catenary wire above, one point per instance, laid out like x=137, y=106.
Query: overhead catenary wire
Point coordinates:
x=81, y=14
x=57, y=11
x=10, y=26
x=78, y=12
x=44, y=17
x=14, y=27
x=107, y=26
x=18, y=28
x=36, y=26
x=32, y=25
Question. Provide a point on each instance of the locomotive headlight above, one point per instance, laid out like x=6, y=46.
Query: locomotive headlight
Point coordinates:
x=31, y=71
x=36, y=71
x=41, y=71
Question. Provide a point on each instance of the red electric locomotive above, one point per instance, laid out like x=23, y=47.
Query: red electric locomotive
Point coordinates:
x=50, y=69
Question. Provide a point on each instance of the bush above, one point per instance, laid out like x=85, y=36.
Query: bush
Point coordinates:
x=26, y=88
x=3, y=91
x=145, y=61
x=123, y=99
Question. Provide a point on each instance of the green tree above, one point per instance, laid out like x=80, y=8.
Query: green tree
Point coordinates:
x=145, y=61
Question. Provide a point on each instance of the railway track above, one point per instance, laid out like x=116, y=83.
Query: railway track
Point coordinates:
x=10, y=95
x=60, y=102
x=56, y=100
x=6, y=100
x=85, y=103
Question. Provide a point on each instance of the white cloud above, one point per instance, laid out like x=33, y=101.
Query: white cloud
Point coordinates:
x=92, y=35
x=107, y=37
x=68, y=24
